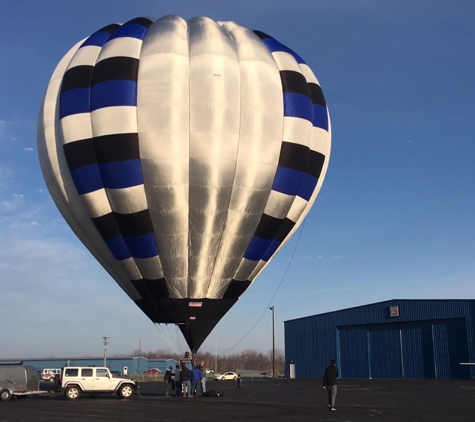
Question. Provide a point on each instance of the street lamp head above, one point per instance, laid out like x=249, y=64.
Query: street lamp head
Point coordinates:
x=271, y=308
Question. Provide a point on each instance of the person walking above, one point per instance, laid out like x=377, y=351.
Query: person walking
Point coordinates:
x=185, y=378
x=196, y=378
x=203, y=378
x=330, y=383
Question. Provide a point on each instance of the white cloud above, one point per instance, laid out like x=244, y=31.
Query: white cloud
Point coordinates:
x=35, y=223
x=28, y=149
x=40, y=190
x=12, y=204
x=337, y=256
x=319, y=257
x=6, y=177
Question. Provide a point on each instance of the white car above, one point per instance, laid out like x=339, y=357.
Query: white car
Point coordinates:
x=226, y=376
x=92, y=380
x=48, y=374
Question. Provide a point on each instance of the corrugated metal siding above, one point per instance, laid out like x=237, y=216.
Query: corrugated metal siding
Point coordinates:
x=354, y=354
x=134, y=365
x=312, y=341
x=441, y=351
x=385, y=353
x=412, y=352
x=458, y=348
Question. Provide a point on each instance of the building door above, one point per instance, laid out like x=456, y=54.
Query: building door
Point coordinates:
x=354, y=355
x=412, y=357
x=441, y=350
x=385, y=352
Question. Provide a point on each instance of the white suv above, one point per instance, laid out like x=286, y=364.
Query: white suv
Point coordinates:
x=92, y=380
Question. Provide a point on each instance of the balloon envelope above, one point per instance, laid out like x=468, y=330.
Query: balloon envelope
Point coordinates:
x=183, y=154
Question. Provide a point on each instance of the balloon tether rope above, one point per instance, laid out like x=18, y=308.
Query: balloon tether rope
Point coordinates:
x=275, y=294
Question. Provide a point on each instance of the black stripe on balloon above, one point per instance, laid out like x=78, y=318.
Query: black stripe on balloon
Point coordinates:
x=117, y=147
x=148, y=309
x=273, y=228
x=285, y=227
x=294, y=156
x=315, y=164
x=268, y=227
x=77, y=77
x=262, y=35
x=140, y=21
x=80, y=153
x=317, y=94
x=116, y=68
x=114, y=224
x=107, y=226
x=135, y=224
x=294, y=82
x=110, y=28
x=236, y=288
x=152, y=289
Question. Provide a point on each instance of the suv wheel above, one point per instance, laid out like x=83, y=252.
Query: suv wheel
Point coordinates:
x=5, y=395
x=72, y=392
x=126, y=391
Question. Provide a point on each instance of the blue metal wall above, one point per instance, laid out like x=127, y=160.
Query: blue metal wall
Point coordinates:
x=428, y=339
x=135, y=365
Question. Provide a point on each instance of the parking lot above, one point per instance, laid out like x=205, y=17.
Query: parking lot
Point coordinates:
x=265, y=400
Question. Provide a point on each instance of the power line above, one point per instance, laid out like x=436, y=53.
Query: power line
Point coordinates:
x=275, y=294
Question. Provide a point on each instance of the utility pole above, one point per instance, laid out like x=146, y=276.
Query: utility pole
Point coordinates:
x=140, y=347
x=273, y=343
x=105, y=338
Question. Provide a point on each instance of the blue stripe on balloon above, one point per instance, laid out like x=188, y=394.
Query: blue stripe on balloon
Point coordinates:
x=271, y=250
x=273, y=45
x=121, y=174
x=257, y=248
x=98, y=39
x=298, y=105
x=130, y=30
x=320, y=116
x=118, y=247
x=114, y=93
x=142, y=246
x=87, y=179
x=74, y=101
x=287, y=180
x=307, y=186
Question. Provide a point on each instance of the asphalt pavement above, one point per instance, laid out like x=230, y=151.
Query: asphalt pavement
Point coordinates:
x=265, y=400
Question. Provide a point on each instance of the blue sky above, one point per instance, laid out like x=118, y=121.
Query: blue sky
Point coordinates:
x=395, y=217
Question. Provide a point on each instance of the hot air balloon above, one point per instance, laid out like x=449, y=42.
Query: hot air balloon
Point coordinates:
x=183, y=154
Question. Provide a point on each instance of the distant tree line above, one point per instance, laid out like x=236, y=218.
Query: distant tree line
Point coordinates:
x=247, y=359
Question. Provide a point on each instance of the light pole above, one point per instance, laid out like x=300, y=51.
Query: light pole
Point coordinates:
x=273, y=343
x=105, y=349
x=216, y=357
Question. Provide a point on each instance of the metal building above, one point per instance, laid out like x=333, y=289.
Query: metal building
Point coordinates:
x=392, y=339
x=135, y=365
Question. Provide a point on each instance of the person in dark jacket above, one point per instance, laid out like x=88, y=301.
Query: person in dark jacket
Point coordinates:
x=177, y=381
x=329, y=383
x=169, y=382
x=185, y=378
